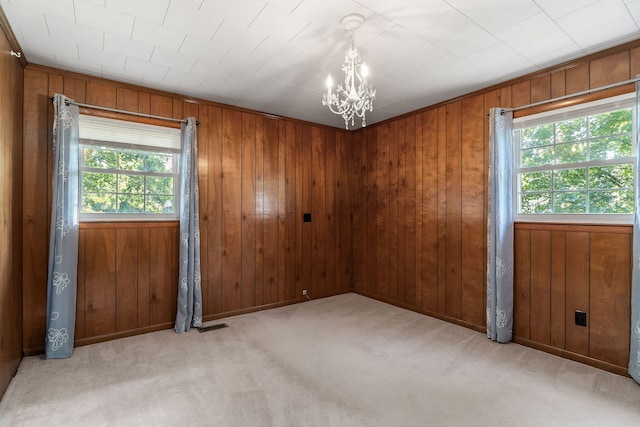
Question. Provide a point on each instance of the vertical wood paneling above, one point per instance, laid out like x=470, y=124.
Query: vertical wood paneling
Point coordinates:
x=163, y=244
x=248, y=210
x=454, y=212
x=260, y=215
x=357, y=224
x=80, y=330
x=577, y=79
x=558, y=84
x=419, y=272
x=610, y=275
x=558, y=289
x=126, y=280
x=270, y=212
x=541, y=89
x=402, y=195
x=101, y=94
x=144, y=274
x=610, y=69
x=371, y=194
x=231, y=211
x=290, y=211
x=521, y=283
x=100, y=282
x=539, y=328
x=282, y=254
x=214, y=212
x=472, y=214
x=577, y=291
x=330, y=192
x=344, y=209
x=307, y=227
x=430, y=211
x=126, y=99
x=410, y=212
x=299, y=209
x=382, y=253
x=394, y=209
x=441, y=220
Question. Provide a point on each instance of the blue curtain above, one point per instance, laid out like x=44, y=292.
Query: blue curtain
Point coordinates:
x=500, y=227
x=634, y=356
x=63, y=244
x=189, y=279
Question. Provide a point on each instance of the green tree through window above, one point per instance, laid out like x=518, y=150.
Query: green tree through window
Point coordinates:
x=580, y=165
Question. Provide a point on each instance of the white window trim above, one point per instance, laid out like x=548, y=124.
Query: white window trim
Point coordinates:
x=96, y=130
x=617, y=102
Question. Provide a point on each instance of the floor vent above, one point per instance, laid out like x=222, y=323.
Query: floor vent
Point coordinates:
x=212, y=327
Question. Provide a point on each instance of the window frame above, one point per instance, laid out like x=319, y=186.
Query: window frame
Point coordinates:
x=129, y=216
x=556, y=115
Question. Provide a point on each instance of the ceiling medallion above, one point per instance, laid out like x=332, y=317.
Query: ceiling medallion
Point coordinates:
x=355, y=96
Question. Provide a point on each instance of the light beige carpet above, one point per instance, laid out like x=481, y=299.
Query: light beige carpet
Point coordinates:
x=340, y=361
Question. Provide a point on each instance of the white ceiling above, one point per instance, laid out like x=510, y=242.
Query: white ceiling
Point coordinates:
x=274, y=55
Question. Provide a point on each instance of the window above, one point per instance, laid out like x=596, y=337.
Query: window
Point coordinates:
x=128, y=170
x=577, y=164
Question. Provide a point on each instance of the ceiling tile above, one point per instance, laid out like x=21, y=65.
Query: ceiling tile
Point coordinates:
x=495, y=15
x=41, y=44
x=326, y=12
x=535, y=27
x=100, y=57
x=192, y=21
x=191, y=3
x=634, y=9
x=148, y=32
x=73, y=64
x=286, y=5
x=468, y=38
x=498, y=58
x=288, y=25
x=21, y=17
x=69, y=31
x=184, y=79
x=60, y=8
x=123, y=75
x=240, y=12
x=212, y=69
x=204, y=49
x=556, y=9
x=171, y=59
x=145, y=68
x=150, y=10
x=590, y=25
x=235, y=35
x=128, y=47
x=242, y=60
x=102, y=18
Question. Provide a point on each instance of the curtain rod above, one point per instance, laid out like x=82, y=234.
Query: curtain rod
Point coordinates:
x=584, y=92
x=132, y=113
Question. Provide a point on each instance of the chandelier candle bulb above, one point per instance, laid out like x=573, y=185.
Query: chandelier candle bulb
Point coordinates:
x=329, y=84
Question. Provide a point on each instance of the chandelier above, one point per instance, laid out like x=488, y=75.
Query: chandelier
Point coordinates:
x=355, y=96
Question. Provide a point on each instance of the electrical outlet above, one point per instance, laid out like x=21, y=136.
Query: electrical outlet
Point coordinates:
x=304, y=292
x=581, y=318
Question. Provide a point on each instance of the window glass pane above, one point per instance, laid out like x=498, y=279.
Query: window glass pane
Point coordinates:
x=612, y=201
x=610, y=123
x=535, y=181
x=538, y=156
x=537, y=135
x=160, y=204
x=535, y=203
x=610, y=147
x=99, y=157
x=571, y=130
x=98, y=202
x=615, y=176
x=159, y=163
x=95, y=182
x=570, y=179
x=159, y=185
x=571, y=153
x=131, y=160
x=131, y=184
x=570, y=202
x=130, y=203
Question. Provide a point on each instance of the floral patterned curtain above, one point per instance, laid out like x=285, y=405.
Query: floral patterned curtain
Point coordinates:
x=189, y=279
x=500, y=227
x=634, y=356
x=63, y=244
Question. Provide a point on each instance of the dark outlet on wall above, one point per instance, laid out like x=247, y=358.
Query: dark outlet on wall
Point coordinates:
x=581, y=318
x=306, y=217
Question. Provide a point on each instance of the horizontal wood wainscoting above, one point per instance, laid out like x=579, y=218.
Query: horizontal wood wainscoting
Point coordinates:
x=563, y=268
x=258, y=175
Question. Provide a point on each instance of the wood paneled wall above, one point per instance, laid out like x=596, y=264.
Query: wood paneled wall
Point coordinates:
x=560, y=269
x=258, y=175
x=11, y=76
x=419, y=221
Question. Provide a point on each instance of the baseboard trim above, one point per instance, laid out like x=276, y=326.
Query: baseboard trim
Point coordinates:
x=605, y=366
